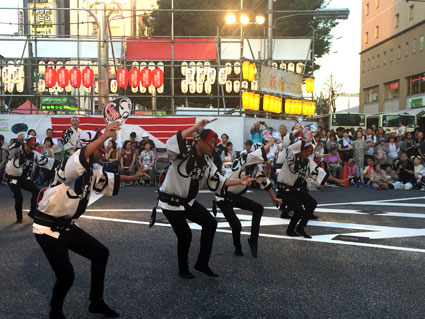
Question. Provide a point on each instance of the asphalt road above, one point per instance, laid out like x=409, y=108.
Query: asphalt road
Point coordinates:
x=366, y=260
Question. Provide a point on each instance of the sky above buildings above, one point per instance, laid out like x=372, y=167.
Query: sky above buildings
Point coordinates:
x=343, y=59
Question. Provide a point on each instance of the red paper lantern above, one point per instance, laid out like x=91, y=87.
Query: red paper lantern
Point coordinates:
x=75, y=77
x=122, y=77
x=146, y=75
x=134, y=76
x=87, y=77
x=157, y=78
x=50, y=77
x=63, y=77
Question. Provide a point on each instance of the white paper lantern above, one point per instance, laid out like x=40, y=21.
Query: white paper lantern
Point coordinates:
x=237, y=68
x=274, y=65
x=207, y=88
x=291, y=67
x=228, y=67
x=114, y=86
x=10, y=86
x=229, y=86
x=41, y=85
x=20, y=87
x=184, y=87
x=160, y=90
x=236, y=86
x=41, y=67
x=192, y=87
x=282, y=66
x=222, y=76
x=244, y=85
x=199, y=87
x=254, y=85
x=183, y=68
x=5, y=74
x=300, y=67
x=211, y=75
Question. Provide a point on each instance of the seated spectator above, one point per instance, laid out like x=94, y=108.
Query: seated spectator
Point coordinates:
x=33, y=133
x=48, y=149
x=417, y=166
x=392, y=149
x=146, y=162
x=367, y=172
x=227, y=157
x=379, y=178
x=127, y=160
x=49, y=133
x=247, y=148
x=334, y=163
x=146, y=139
x=111, y=157
x=421, y=180
x=405, y=172
x=353, y=172
x=381, y=152
x=392, y=177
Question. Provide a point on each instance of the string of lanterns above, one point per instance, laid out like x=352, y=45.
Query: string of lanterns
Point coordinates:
x=298, y=107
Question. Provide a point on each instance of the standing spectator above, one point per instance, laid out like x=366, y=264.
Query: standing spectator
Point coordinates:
x=405, y=172
x=49, y=133
x=373, y=128
x=117, y=140
x=222, y=146
x=3, y=160
x=339, y=133
x=32, y=132
x=127, y=160
x=408, y=145
x=111, y=157
x=146, y=139
x=392, y=150
x=345, y=148
x=4, y=145
x=379, y=178
x=146, y=162
x=257, y=132
x=359, y=147
x=283, y=130
x=334, y=162
x=332, y=142
x=381, y=152
x=370, y=140
x=401, y=129
x=48, y=150
x=419, y=139
x=380, y=133
x=134, y=143
x=70, y=136
x=324, y=138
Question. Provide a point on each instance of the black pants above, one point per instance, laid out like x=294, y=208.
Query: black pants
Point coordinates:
x=199, y=215
x=29, y=186
x=301, y=203
x=81, y=243
x=244, y=203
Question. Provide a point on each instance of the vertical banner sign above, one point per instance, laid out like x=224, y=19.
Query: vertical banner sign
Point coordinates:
x=42, y=19
x=280, y=82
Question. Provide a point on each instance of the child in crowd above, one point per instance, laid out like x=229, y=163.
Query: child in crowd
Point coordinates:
x=334, y=162
x=353, y=172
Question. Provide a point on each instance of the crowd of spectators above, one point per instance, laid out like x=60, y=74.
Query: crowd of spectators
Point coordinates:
x=119, y=157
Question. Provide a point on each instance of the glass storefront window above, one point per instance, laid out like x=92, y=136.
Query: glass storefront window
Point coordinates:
x=417, y=84
x=392, y=90
x=371, y=94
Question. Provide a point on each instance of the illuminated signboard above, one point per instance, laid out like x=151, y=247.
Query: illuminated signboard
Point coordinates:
x=42, y=19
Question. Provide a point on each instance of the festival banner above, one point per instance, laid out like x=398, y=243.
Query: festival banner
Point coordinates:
x=280, y=82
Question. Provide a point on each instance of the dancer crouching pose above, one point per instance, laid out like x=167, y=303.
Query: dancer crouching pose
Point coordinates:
x=189, y=171
x=66, y=200
x=246, y=165
x=296, y=168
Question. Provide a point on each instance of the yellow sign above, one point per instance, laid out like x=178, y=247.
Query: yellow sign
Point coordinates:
x=280, y=82
x=42, y=19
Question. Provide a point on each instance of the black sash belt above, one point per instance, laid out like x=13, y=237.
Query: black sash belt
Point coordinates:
x=173, y=200
x=55, y=224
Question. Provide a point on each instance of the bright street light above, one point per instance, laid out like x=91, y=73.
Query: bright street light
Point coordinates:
x=244, y=19
x=260, y=19
x=230, y=18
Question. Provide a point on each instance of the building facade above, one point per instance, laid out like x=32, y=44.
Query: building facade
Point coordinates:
x=392, y=70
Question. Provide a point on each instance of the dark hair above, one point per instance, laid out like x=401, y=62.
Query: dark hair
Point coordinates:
x=1, y=137
x=125, y=144
x=49, y=129
x=204, y=134
x=114, y=144
x=133, y=134
x=225, y=149
x=48, y=139
x=376, y=164
x=227, y=136
x=31, y=130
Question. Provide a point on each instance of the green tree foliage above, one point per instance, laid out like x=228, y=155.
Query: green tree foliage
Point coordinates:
x=206, y=23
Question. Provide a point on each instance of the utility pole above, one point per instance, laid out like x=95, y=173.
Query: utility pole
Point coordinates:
x=270, y=32
x=103, y=75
